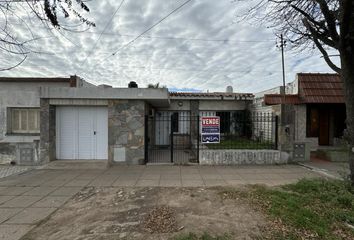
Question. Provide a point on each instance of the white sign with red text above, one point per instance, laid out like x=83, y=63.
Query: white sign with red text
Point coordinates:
x=210, y=129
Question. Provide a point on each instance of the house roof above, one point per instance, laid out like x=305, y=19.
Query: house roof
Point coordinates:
x=320, y=88
x=33, y=79
x=213, y=95
x=312, y=88
x=72, y=79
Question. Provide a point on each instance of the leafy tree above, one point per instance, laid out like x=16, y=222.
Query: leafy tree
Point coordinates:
x=156, y=85
x=327, y=25
x=55, y=15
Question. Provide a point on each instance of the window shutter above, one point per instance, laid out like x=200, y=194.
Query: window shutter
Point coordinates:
x=24, y=120
x=32, y=120
x=15, y=124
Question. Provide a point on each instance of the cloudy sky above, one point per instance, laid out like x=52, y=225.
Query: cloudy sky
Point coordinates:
x=202, y=46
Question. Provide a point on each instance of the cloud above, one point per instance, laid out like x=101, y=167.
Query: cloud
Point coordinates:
x=183, y=52
x=184, y=90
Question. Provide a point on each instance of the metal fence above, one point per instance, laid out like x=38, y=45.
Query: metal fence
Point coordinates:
x=246, y=130
x=175, y=136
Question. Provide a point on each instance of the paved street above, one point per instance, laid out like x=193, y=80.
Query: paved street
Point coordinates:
x=28, y=198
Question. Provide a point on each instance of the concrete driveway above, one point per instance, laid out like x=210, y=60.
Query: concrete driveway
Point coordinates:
x=28, y=198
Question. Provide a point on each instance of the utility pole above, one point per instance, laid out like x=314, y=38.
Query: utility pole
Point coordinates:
x=282, y=44
x=284, y=130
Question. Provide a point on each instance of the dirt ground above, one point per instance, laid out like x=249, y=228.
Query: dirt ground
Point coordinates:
x=149, y=213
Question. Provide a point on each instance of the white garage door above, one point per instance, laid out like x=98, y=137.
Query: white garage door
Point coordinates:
x=81, y=132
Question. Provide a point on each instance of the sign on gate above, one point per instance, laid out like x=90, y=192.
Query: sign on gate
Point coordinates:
x=210, y=129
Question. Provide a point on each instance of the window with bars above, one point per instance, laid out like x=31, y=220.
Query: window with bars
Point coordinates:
x=24, y=120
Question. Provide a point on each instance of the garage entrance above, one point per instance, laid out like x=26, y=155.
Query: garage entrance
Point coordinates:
x=81, y=132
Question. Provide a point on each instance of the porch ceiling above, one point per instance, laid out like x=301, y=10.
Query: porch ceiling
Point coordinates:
x=159, y=103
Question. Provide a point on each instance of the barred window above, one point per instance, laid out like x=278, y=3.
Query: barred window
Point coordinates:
x=25, y=120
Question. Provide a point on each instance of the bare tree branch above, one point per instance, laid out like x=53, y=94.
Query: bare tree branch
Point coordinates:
x=14, y=66
x=19, y=12
x=326, y=56
x=330, y=19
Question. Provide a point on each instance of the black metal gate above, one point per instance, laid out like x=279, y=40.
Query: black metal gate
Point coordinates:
x=172, y=137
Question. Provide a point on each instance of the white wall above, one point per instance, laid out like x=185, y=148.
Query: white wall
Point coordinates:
x=222, y=105
x=83, y=83
x=177, y=105
x=20, y=94
x=206, y=105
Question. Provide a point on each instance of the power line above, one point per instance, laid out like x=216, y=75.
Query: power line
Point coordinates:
x=170, y=51
x=151, y=27
x=195, y=70
x=107, y=24
x=185, y=38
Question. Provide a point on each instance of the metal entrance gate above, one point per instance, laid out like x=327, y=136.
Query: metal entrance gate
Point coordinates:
x=172, y=137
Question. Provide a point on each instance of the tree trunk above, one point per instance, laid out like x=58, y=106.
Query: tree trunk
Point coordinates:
x=347, y=75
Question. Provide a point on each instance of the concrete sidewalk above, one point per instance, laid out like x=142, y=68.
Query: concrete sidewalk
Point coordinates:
x=27, y=199
x=338, y=170
x=8, y=170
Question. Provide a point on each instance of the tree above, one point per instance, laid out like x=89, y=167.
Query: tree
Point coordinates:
x=327, y=25
x=157, y=85
x=59, y=15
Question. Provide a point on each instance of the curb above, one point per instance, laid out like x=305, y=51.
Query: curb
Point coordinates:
x=320, y=171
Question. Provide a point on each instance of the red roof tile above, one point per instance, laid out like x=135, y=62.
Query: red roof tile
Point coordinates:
x=313, y=88
x=240, y=96
x=320, y=88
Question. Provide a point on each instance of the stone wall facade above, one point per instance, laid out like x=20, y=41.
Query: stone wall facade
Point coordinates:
x=241, y=157
x=47, y=129
x=126, y=131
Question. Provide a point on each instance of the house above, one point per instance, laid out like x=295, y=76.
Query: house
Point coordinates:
x=315, y=108
x=47, y=119
x=20, y=114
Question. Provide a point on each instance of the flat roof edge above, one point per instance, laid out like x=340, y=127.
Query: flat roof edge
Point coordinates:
x=107, y=93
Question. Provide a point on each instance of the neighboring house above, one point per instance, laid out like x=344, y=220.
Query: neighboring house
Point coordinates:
x=20, y=114
x=46, y=119
x=316, y=108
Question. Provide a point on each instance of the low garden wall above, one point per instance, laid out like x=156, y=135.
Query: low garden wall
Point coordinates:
x=7, y=153
x=240, y=157
x=22, y=153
